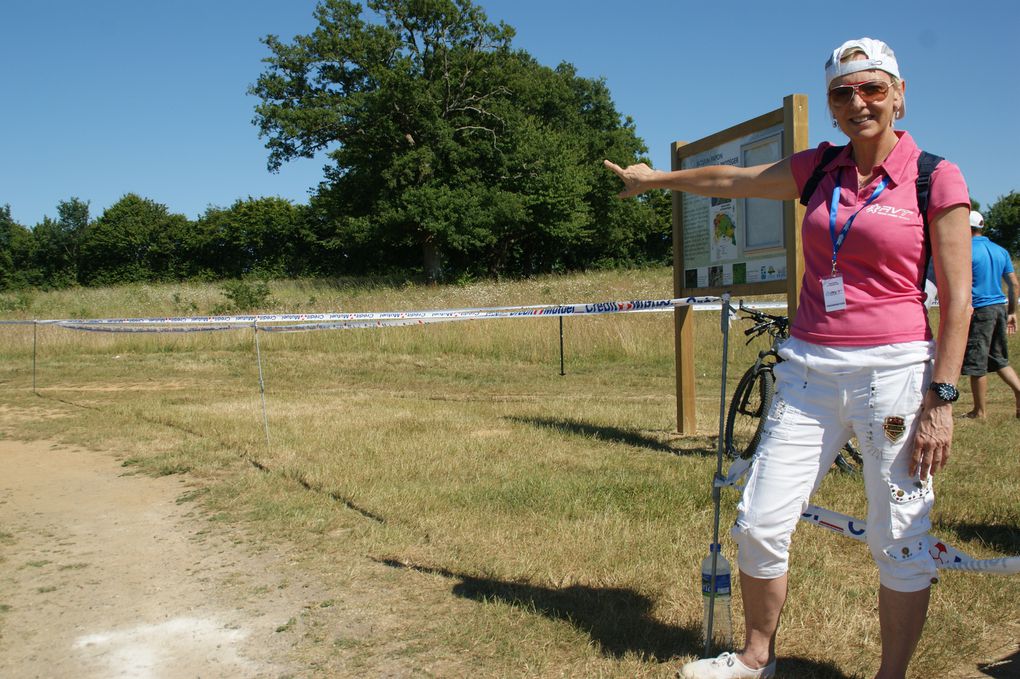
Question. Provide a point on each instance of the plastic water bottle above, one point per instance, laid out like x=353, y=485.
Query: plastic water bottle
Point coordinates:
x=722, y=621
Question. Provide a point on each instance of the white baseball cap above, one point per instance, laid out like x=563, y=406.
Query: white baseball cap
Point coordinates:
x=976, y=220
x=878, y=56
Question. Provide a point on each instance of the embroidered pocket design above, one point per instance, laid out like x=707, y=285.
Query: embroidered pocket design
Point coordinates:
x=894, y=427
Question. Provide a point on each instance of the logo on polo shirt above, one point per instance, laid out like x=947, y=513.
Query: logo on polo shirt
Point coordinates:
x=900, y=213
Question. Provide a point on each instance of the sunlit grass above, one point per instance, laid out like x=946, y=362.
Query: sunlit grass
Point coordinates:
x=524, y=523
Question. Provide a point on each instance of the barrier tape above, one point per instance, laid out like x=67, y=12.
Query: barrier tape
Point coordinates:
x=261, y=328
x=351, y=320
x=945, y=556
x=146, y=329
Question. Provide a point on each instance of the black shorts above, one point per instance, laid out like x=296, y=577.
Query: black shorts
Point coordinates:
x=986, y=341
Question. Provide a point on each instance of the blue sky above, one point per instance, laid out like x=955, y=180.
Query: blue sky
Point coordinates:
x=107, y=97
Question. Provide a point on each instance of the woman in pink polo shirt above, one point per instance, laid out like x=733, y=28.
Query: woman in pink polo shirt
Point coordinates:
x=860, y=361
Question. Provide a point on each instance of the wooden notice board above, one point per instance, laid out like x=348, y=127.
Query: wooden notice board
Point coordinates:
x=745, y=247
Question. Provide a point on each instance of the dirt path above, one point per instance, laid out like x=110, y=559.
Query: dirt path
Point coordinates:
x=108, y=575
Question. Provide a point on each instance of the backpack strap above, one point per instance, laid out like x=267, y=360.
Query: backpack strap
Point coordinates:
x=812, y=183
x=926, y=164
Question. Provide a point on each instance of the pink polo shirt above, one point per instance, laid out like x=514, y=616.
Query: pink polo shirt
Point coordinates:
x=882, y=257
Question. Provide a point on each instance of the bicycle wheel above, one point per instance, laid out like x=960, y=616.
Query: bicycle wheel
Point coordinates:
x=849, y=459
x=748, y=408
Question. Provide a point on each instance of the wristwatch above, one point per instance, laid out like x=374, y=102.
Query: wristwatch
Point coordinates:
x=945, y=391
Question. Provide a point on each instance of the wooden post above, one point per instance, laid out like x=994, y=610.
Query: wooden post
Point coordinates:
x=683, y=321
x=795, y=138
x=686, y=413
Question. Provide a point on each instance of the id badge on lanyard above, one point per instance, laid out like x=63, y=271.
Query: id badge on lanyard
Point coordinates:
x=833, y=292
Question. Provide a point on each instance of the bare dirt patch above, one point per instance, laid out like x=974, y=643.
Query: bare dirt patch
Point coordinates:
x=126, y=386
x=107, y=574
x=14, y=413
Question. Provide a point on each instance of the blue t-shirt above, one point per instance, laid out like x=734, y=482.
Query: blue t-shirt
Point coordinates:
x=989, y=264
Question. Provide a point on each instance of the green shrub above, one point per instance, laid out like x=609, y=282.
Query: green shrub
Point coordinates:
x=247, y=295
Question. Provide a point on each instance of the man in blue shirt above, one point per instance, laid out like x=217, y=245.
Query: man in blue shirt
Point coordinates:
x=994, y=317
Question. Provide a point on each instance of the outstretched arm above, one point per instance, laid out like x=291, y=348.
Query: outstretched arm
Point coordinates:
x=720, y=181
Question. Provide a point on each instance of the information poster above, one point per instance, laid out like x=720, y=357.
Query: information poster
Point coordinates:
x=734, y=241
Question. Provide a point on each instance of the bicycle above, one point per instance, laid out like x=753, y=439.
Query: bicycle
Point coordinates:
x=755, y=390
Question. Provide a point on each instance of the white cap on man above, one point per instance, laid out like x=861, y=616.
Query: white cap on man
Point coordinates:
x=977, y=222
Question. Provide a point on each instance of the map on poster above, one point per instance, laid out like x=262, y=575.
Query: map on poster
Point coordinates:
x=722, y=212
x=733, y=241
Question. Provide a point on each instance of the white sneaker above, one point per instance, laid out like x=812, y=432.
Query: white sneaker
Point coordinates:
x=726, y=666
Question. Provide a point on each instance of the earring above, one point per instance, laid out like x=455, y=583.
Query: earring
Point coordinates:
x=834, y=123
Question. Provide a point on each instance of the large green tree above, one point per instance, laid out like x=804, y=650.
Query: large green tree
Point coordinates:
x=58, y=243
x=257, y=236
x=135, y=239
x=1002, y=222
x=16, y=252
x=450, y=151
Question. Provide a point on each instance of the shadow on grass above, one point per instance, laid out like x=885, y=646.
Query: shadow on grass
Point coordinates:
x=618, y=620
x=802, y=668
x=675, y=445
x=1007, y=668
x=1002, y=538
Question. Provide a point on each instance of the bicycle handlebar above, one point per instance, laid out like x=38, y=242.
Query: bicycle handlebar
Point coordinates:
x=764, y=322
x=761, y=316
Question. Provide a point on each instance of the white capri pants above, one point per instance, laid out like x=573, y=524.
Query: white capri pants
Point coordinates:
x=813, y=415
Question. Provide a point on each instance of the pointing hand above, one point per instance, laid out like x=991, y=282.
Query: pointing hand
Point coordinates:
x=636, y=178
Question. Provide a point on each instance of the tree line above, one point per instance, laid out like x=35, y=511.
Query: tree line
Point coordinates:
x=139, y=240
x=451, y=155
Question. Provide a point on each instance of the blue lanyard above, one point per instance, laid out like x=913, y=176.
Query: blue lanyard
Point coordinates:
x=837, y=241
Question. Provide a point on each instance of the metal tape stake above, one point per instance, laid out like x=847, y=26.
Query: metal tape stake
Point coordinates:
x=262, y=384
x=35, y=343
x=716, y=487
x=562, y=372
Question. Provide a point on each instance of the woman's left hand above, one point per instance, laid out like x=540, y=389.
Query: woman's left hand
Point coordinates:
x=933, y=438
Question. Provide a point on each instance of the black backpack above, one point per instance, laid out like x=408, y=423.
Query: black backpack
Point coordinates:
x=926, y=163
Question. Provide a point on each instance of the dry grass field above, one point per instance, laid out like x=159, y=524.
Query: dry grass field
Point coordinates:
x=516, y=521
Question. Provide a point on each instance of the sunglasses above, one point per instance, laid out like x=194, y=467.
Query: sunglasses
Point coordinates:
x=869, y=92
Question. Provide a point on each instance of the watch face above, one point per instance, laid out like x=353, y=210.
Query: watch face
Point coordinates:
x=945, y=391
